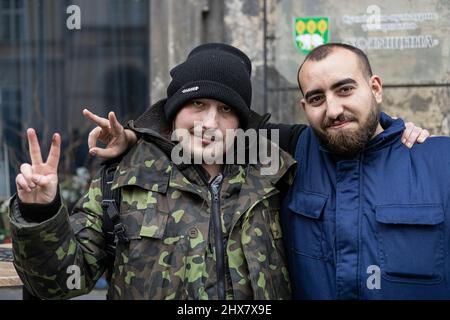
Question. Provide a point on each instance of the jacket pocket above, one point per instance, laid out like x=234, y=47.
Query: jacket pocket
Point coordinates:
x=153, y=224
x=142, y=263
x=411, y=242
x=307, y=223
x=144, y=223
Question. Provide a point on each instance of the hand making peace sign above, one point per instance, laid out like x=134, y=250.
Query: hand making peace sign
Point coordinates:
x=38, y=182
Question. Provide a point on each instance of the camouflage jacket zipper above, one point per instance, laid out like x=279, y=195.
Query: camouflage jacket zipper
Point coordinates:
x=218, y=238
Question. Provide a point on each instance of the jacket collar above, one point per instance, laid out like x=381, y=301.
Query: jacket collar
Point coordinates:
x=393, y=129
x=146, y=166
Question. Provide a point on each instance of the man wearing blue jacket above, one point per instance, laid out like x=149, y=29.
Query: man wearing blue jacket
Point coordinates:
x=366, y=218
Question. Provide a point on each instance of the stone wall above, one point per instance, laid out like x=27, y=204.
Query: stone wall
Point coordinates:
x=410, y=50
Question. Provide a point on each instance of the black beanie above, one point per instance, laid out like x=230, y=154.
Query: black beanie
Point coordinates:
x=215, y=71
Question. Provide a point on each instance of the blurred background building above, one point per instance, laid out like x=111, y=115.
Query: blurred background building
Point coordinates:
x=116, y=55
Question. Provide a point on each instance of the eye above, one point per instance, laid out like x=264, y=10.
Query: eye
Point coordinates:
x=315, y=100
x=226, y=109
x=197, y=103
x=346, y=90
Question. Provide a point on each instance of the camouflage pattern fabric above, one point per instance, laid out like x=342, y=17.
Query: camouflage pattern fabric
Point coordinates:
x=166, y=213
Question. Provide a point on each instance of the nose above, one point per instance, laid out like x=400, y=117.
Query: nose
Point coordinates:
x=210, y=118
x=334, y=108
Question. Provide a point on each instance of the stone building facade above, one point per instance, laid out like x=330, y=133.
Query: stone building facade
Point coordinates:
x=409, y=48
x=119, y=59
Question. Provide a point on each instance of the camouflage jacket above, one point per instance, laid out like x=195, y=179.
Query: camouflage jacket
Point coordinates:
x=166, y=212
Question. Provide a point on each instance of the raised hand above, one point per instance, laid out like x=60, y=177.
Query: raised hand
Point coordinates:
x=110, y=132
x=38, y=182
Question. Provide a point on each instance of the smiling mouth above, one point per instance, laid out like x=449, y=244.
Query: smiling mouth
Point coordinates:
x=205, y=140
x=338, y=124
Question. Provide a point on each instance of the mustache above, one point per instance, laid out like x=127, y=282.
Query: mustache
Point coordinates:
x=327, y=122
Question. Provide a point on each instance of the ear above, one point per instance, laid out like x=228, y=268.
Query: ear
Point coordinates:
x=377, y=88
x=302, y=103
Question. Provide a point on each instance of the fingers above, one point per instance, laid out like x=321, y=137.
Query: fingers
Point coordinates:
x=107, y=153
x=94, y=150
x=27, y=172
x=424, y=134
x=41, y=180
x=410, y=134
x=22, y=184
x=93, y=137
x=102, y=122
x=34, y=148
x=55, y=150
x=116, y=127
x=408, y=129
x=413, y=137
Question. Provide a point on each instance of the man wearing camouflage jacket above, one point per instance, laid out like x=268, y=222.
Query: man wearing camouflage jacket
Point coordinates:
x=191, y=234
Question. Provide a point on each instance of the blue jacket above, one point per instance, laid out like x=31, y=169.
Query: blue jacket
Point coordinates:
x=373, y=227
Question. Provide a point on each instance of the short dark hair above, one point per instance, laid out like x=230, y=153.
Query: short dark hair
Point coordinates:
x=321, y=52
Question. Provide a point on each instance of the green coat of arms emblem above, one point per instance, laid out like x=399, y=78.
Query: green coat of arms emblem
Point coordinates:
x=310, y=32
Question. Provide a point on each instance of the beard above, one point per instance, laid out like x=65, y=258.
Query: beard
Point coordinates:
x=349, y=143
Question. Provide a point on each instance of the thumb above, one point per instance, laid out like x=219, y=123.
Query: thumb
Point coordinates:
x=106, y=153
x=40, y=180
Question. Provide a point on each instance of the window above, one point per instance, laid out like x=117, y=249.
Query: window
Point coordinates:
x=10, y=115
x=47, y=80
x=11, y=20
